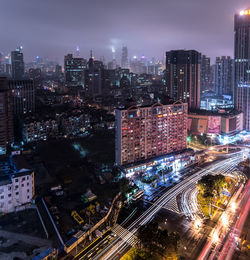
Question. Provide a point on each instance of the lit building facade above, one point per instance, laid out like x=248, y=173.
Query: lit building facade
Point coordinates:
x=223, y=82
x=147, y=132
x=223, y=122
x=242, y=64
x=6, y=116
x=205, y=73
x=17, y=186
x=183, y=76
x=94, y=78
x=23, y=95
x=74, y=70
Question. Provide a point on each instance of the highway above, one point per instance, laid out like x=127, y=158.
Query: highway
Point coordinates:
x=115, y=248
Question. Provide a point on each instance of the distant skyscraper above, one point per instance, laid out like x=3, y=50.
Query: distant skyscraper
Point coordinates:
x=94, y=78
x=224, y=76
x=77, y=52
x=6, y=116
x=242, y=64
x=183, y=76
x=74, y=70
x=205, y=73
x=17, y=64
x=124, y=60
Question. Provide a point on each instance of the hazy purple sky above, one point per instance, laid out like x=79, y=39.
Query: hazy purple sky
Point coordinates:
x=147, y=27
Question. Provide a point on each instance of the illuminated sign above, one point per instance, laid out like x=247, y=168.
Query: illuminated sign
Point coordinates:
x=245, y=12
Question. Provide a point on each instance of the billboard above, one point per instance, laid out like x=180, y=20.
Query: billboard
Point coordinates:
x=214, y=123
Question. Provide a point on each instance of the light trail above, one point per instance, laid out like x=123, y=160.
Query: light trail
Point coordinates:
x=122, y=243
x=229, y=245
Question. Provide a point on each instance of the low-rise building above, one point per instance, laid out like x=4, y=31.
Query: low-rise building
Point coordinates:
x=222, y=122
x=35, y=130
x=17, y=186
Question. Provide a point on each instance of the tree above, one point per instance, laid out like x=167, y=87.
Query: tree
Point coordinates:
x=124, y=185
x=157, y=241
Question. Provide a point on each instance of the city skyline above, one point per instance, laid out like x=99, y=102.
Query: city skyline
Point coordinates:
x=157, y=26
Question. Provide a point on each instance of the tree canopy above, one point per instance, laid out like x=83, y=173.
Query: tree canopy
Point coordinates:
x=211, y=185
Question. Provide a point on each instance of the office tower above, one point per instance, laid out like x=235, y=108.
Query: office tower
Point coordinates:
x=146, y=132
x=205, y=73
x=23, y=96
x=74, y=71
x=2, y=67
x=6, y=116
x=124, y=60
x=223, y=76
x=94, y=78
x=137, y=66
x=35, y=75
x=77, y=52
x=183, y=76
x=17, y=64
x=242, y=64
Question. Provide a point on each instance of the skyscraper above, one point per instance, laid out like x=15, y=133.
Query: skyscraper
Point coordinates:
x=183, y=76
x=124, y=60
x=223, y=76
x=205, y=73
x=6, y=116
x=242, y=64
x=17, y=64
x=74, y=70
x=94, y=78
x=23, y=96
x=77, y=52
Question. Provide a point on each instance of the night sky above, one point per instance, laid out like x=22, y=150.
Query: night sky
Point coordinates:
x=53, y=28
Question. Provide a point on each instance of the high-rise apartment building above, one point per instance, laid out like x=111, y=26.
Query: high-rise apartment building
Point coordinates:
x=183, y=76
x=146, y=132
x=242, y=64
x=74, y=71
x=205, y=73
x=223, y=83
x=17, y=64
x=6, y=116
x=124, y=60
x=23, y=96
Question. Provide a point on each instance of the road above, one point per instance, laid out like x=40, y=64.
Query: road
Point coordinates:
x=115, y=248
x=223, y=239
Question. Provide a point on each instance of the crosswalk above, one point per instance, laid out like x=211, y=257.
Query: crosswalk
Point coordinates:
x=172, y=205
x=125, y=235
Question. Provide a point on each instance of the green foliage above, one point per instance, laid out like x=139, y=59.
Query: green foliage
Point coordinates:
x=157, y=241
x=124, y=185
x=211, y=185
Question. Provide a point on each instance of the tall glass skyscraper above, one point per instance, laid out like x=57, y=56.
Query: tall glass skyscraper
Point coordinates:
x=17, y=63
x=183, y=76
x=242, y=64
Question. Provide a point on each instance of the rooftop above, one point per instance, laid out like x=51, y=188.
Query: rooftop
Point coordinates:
x=222, y=112
x=13, y=166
